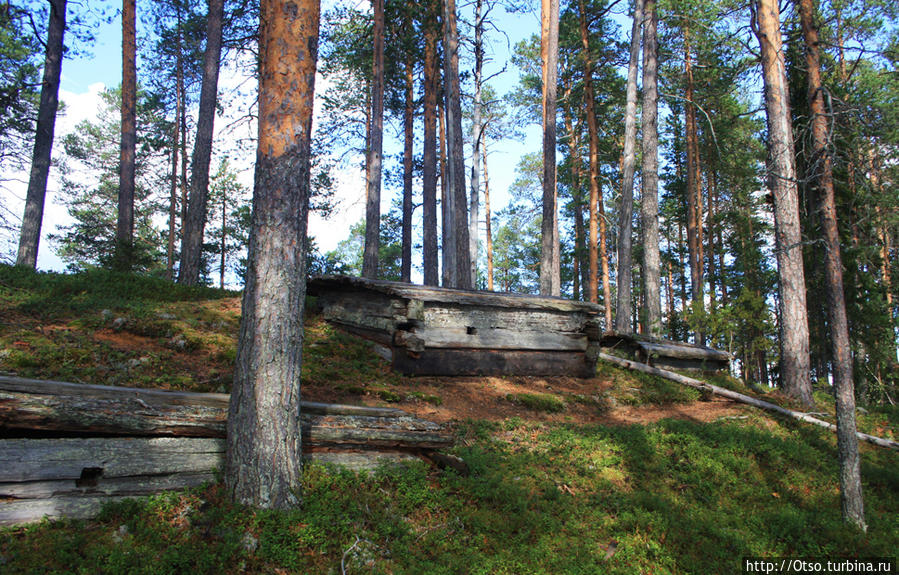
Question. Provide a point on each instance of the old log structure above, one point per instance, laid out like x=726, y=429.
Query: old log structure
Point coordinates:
x=665, y=354
x=67, y=448
x=426, y=330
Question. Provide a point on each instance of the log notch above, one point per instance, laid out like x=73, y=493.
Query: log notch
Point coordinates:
x=439, y=331
x=666, y=354
x=159, y=440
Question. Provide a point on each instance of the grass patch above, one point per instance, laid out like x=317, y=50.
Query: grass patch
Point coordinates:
x=636, y=388
x=672, y=497
x=544, y=402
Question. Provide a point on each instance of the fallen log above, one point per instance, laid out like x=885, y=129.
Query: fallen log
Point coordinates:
x=74, y=477
x=703, y=386
x=51, y=406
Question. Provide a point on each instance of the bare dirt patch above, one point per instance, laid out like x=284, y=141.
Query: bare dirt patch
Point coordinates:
x=485, y=398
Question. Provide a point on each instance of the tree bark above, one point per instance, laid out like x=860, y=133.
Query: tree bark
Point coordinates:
x=224, y=244
x=375, y=150
x=822, y=182
x=173, y=203
x=794, y=339
x=650, y=197
x=593, y=135
x=448, y=233
x=128, y=144
x=477, y=130
x=694, y=193
x=263, y=464
x=429, y=161
x=549, y=48
x=626, y=210
x=30, y=235
x=192, y=236
x=487, y=218
x=408, y=115
x=461, y=272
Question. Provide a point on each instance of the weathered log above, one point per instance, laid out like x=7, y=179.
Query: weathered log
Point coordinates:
x=703, y=386
x=472, y=362
x=331, y=284
x=74, y=477
x=667, y=354
x=499, y=338
x=69, y=407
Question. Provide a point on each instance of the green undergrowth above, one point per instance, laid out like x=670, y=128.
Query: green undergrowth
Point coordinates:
x=671, y=497
x=636, y=388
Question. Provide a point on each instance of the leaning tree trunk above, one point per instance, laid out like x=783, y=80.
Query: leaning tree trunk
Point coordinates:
x=263, y=462
x=192, y=236
x=461, y=272
x=43, y=138
x=625, y=212
x=549, y=263
x=128, y=144
x=794, y=338
x=375, y=150
x=650, y=197
x=822, y=182
x=429, y=160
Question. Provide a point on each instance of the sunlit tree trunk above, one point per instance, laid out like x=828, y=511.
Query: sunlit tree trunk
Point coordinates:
x=626, y=209
x=448, y=234
x=476, y=141
x=30, y=235
x=794, y=338
x=429, y=160
x=192, y=241
x=694, y=192
x=264, y=455
x=375, y=150
x=549, y=262
x=128, y=142
x=650, y=197
x=822, y=181
x=592, y=134
x=487, y=218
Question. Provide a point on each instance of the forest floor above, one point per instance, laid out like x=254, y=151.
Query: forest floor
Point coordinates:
x=620, y=473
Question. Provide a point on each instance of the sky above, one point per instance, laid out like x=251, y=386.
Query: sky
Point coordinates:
x=84, y=77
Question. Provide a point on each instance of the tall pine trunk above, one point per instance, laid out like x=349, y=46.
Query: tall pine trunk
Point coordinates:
x=406, y=263
x=650, y=197
x=476, y=141
x=448, y=234
x=694, y=192
x=461, y=268
x=30, y=235
x=264, y=455
x=489, y=230
x=794, y=338
x=173, y=203
x=375, y=150
x=626, y=210
x=822, y=184
x=549, y=261
x=128, y=143
x=192, y=240
x=429, y=160
x=593, y=135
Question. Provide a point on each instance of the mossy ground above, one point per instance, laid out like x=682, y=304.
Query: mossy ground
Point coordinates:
x=583, y=490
